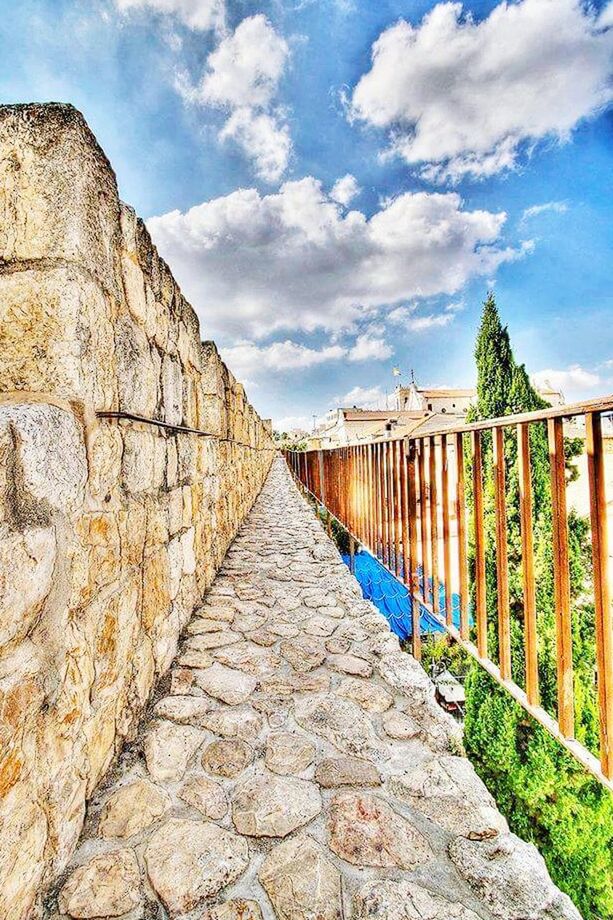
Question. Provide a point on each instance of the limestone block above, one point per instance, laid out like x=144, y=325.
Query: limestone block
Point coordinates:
x=137, y=368
x=105, y=447
x=56, y=335
x=23, y=831
x=27, y=562
x=168, y=749
x=188, y=861
x=172, y=390
x=404, y=900
x=132, y=808
x=138, y=461
x=49, y=466
x=108, y=885
x=274, y=806
x=302, y=882
x=59, y=190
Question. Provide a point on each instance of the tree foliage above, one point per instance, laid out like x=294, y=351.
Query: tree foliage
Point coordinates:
x=546, y=795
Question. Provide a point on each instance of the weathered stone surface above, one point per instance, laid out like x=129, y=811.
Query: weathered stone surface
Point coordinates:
x=341, y=722
x=227, y=758
x=271, y=806
x=107, y=885
x=205, y=795
x=351, y=664
x=236, y=909
x=320, y=626
x=226, y=684
x=235, y=722
x=400, y=900
x=449, y=792
x=303, y=654
x=211, y=640
x=366, y=831
x=400, y=726
x=132, y=808
x=168, y=749
x=250, y=658
x=184, y=709
x=188, y=861
x=288, y=753
x=346, y=771
x=289, y=684
x=301, y=882
x=511, y=878
x=370, y=696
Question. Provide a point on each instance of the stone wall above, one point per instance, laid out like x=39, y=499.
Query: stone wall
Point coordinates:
x=110, y=531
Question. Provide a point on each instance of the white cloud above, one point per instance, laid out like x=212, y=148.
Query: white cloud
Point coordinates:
x=247, y=358
x=558, y=207
x=406, y=316
x=242, y=77
x=253, y=264
x=571, y=380
x=345, y=190
x=264, y=138
x=202, y=15
x=370, y=348
x=363, y=398
x=293, y=422
x=462, y=97
x=246, y=67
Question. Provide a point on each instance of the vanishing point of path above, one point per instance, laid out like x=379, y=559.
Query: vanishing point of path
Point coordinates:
x=294, y=765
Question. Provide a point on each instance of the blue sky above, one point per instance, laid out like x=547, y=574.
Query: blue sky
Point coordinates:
x=475, y=146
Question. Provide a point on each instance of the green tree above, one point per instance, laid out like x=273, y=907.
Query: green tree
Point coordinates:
x=547, y=797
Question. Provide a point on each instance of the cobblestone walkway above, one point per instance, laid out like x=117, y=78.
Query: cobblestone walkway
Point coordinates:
x=294, y=765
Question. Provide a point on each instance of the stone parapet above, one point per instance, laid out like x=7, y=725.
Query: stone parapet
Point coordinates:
x=110, y=531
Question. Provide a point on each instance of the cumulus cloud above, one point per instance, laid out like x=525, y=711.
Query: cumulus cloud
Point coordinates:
x=363, y=398
x=570, y=380
x=202, y=15
x=246, y=358
x=242, y=77
x=295, y=260
x=461, y=97
x=345, y=190
x=370, y=348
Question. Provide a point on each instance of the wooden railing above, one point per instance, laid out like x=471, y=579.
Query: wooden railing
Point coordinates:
x=420, y=506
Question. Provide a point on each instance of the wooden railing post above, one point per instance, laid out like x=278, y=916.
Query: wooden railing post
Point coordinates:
x=502, y=564
x=480, y=595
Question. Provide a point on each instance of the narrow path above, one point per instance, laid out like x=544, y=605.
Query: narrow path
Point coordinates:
x=294, y=766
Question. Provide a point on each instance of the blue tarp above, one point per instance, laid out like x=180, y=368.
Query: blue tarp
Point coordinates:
x=392, y=598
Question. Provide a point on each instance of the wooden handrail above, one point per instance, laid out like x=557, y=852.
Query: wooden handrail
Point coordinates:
x=405, y=501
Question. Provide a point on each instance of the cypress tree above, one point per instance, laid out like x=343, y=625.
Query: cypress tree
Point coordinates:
x=547, y=797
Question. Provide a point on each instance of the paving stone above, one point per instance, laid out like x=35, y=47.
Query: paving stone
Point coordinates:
x=366, y=831
x=304, y=654
x=205, y=795
x=301, y=882
x=244, y=622
x=131, y=808
x=346, y=771
x=107, y=885
x=264, y=637
x=226, y=684
x=206, y=625
x=337, y=646
x=288, y=752
x=272, y=806
x=227, y=758
x=250, y=658
x=168, y=749
x=193, y=658
x=341, y=722
x=370, y=696
x=320, y=626
x=234, y=722
x=350, y=664
x=188, y=861
x=237, y=909
x=510, y=877
x=209, y=640
x=403, y=900
x=448, y=791
x=184, y=709
x=399, y=725
x=289, y=684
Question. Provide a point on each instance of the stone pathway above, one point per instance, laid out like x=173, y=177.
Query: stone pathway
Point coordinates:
x=294, y=765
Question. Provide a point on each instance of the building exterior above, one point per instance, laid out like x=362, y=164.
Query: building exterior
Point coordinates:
x=445, y=401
